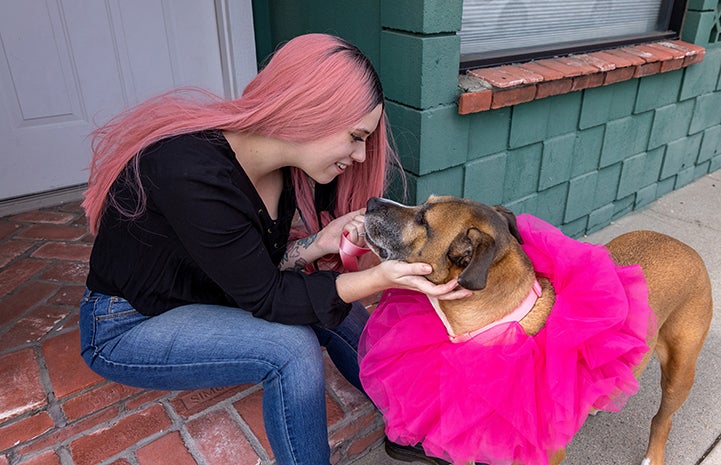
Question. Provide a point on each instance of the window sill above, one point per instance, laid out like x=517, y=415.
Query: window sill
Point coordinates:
x=503, y=86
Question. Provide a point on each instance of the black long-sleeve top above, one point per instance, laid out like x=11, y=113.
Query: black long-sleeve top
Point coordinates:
x=205, y=237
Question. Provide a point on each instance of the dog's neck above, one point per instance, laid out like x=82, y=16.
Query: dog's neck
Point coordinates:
x=517, y=315
x=508, y=285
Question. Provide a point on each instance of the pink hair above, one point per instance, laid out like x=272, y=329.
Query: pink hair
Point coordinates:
x=314, y=86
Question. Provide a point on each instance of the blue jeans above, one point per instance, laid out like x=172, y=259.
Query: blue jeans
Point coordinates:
x=202, y=346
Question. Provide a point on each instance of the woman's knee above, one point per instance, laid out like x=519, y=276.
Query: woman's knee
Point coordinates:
x=298, y=354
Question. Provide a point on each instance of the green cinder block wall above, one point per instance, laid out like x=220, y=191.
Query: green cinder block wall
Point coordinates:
x=578, y=160
x=583, y=159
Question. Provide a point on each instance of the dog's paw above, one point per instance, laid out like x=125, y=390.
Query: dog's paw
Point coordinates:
x=646, y=461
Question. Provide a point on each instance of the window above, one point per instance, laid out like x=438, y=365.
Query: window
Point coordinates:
x=497, y=32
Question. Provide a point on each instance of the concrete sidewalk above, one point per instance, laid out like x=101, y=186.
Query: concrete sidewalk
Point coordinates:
x=693, y=215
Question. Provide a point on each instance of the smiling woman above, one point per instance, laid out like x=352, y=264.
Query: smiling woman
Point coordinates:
x=195, y=280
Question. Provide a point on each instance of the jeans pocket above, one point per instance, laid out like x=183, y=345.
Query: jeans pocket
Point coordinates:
x=104, y=318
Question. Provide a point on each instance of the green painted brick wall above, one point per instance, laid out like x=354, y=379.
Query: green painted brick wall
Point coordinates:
x=416, y=69
x=657, y=90
x=556, y=161
x=581, y=196
x=602, y=104
x=276, y=21
x=426, y=17
x=583, y=159
x=701, y=5
x=477, y=174
x=671, y=122
x=711, y=144
x=488, y=132
x=429, y=140
x=587, y=150
x=578, y=160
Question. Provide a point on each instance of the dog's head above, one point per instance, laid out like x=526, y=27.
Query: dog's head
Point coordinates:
x=459, y=238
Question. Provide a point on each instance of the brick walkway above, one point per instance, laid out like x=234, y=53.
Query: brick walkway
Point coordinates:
x=54, y=410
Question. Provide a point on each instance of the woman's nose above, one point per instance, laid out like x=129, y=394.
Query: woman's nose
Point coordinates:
x=359, y=154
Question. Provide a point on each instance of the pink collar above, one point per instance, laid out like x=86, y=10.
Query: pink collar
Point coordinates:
x=349, y=252
x=516, y=315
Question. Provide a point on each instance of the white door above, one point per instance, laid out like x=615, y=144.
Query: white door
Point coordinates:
x=66, y=66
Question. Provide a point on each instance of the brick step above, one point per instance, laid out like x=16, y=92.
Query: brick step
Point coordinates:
x=53, y=406
x=54, y=410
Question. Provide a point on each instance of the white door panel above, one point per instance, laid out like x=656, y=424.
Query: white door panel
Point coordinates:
x=66, y=66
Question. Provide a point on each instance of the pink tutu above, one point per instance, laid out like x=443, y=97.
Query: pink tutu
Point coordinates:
x=504, y=396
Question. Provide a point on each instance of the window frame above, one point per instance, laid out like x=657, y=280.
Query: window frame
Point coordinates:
x=508, y=56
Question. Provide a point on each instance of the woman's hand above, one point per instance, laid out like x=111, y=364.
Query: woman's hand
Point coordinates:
x=326, y=241
x=328, y=238
x=411, y=276
x=396, y=274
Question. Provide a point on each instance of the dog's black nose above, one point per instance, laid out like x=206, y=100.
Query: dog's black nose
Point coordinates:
x=373, y=203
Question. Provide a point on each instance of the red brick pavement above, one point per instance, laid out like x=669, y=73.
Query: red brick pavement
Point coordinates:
x=54, y=410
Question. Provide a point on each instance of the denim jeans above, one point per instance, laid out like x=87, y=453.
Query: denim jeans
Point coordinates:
x=202, y=346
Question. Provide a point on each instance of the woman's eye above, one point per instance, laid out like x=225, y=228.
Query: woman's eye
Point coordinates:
x=357, y=138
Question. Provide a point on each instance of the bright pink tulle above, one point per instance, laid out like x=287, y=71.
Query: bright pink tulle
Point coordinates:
x=505, y=396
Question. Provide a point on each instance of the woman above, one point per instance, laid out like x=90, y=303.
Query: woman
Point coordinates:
x=193, y=281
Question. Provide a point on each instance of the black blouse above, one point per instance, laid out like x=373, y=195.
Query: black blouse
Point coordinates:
x=205, y=237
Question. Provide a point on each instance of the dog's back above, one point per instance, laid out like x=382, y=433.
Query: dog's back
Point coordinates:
x=680, y=294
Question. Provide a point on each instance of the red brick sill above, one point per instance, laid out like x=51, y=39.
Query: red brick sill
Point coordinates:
x=503, y=86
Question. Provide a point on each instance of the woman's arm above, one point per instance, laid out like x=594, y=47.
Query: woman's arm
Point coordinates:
x=309, y=249
x=395, y=274
x=354, y=286
x=299, y=253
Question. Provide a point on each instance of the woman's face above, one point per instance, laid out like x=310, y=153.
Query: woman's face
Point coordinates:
x=324, y=159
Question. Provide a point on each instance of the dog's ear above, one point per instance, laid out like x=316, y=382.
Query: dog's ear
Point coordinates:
x=510, y=218
x=474, y=251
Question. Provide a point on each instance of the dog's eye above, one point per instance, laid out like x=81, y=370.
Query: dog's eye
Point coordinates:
x=421, y=218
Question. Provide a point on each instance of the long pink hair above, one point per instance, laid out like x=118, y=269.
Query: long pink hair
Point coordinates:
x=313, y=86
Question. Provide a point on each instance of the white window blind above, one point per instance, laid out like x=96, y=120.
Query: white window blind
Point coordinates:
x=497, y=25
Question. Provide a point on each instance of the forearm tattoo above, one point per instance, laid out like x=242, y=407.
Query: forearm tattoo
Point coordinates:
x=293, y=257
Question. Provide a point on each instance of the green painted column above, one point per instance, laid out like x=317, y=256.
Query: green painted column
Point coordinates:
x=702, y=24
x=419, y=58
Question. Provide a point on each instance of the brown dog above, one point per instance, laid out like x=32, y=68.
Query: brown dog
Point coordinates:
x=479, y=245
